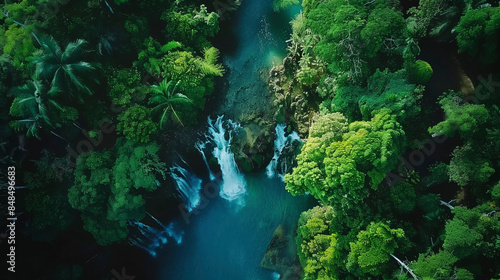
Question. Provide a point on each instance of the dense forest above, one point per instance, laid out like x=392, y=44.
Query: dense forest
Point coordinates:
x=102, y=103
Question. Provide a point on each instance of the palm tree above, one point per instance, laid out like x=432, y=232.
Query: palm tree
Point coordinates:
x=166, y=98
x=64, y=70
x=37, y=105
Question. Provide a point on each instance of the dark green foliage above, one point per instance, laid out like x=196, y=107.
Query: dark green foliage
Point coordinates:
x=36, y=107
x=68, y=272
x=495, y=194
x=192, y=27
x=384, y=90
x=135, y=123
x=472, y=232
x=466, y=119
x=46, y=199
x=439, y=173
x=434, y=265
x=468, y=166
x=65, y=70
x=356, y=35
x=108, y=188
x=477, y=33
x=125, y=86
x=403, y=197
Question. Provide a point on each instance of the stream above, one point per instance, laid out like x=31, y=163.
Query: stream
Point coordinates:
x=227, y=235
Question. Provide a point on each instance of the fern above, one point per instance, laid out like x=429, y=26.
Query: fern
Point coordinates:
x=208, y=65
x=171, y=46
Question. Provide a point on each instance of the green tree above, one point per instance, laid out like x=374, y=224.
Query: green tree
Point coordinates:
x=124, y=86
x=403, y=197
x=470, y=166
x=36, y=106
x=495, y=194
x=439, y=173
x=135, y=123
x=192, y=27
x=166, y=98
x=109, y=185
x=341, y=172
x=466, y=119
x=316, y=245
x=66, y=71
x=477, y=33
x=373, y=248
x=355, y=36
x=18, y=43
x=195, y=76
x=434, y=266
x=384, y=90
x=473, y=232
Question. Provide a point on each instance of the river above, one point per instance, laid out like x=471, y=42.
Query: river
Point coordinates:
x=223, y=239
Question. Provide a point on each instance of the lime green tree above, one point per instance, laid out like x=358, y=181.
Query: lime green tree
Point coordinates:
x=340, y=170
x=373, y=249
x=18, y=43
x=316, y=245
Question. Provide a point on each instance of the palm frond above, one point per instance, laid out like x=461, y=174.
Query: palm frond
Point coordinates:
x=157, y=99
x=73, y=51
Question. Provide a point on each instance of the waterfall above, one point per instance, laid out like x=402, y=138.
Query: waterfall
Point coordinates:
x=189, y=186
x=233, y=183
x=200, y=147
x=151, y=239
x=279, y=144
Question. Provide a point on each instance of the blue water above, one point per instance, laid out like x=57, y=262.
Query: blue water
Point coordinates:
x=261, y=36
x=221, y=242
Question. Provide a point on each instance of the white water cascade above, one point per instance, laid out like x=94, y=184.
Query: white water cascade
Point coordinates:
x=279, y=144
x=152, y=239
x=189, y=186
x=233, y=183
x=200, y=147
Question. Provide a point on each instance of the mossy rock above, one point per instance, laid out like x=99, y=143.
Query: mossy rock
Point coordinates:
x=421, y=72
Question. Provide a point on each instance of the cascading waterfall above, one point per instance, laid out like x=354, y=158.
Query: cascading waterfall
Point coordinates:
x=233, y=183
x=170, y=230
x=189, y=186
x=152, y=239
x=279, y=144
x=200, y=147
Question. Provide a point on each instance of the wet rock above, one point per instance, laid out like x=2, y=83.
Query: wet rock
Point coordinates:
x=281, y=255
